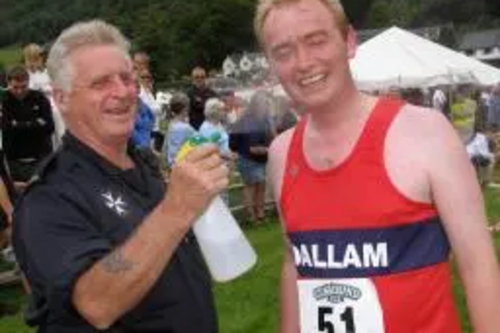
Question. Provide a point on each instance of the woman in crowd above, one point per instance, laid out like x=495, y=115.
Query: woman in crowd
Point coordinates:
x=179, y=129
x=250, y=138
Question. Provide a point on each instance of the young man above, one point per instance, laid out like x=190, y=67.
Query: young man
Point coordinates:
x=27, y=126
x=103, y=243
x=372, y=194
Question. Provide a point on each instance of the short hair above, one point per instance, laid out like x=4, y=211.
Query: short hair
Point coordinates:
x=264, y=7
x=178, y=104
x=17, y=73
x=141, y=58
x=77, y=36
x=141, y=54
x=213, y=108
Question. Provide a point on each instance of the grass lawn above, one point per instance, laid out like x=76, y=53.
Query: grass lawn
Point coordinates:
x=10, y=56
x=250, y=304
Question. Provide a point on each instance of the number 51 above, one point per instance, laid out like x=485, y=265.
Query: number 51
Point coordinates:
x=326, y=325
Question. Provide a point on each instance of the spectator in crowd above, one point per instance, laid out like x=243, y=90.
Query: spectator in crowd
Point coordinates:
x=104, y=244
x=144, y=124
x=7, y=197
x=27, y=126
x=250, y=138
x=198, y=94
x=141, y=61
x=215, y=112
x=146, y=94
x=233, y=107
x=361, y=175
x=179, y=129
x=34, y=63
x=283, y=114
x=441, y=102
x=494, y=109
x=481, y=153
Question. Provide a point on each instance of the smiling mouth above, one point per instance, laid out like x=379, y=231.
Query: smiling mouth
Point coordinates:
x=312, y=80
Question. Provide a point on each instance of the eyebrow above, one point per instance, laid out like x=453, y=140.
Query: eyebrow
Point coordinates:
x=314, y=34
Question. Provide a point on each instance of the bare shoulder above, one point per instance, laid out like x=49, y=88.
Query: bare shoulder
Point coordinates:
x=425, y=127
x=421, y=145
x=278, y=152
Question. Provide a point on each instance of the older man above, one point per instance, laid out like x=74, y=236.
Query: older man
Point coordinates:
x=372, y=193
x=104, y=244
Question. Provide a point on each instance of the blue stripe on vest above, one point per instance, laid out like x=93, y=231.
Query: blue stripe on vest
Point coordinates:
x=369, y=252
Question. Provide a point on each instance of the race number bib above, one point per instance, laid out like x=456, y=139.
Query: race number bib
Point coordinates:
x=339, y=306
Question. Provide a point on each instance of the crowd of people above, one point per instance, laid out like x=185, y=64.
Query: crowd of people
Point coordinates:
x=373, y=192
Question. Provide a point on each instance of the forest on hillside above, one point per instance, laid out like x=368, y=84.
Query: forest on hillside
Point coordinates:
x=181, y=33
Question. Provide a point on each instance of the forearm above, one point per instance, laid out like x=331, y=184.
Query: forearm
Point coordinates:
x=119, y=281
x=289, y=300
x=482, y=288
x=5, y=202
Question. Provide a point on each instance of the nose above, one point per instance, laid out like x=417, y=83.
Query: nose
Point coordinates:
x=304, y=58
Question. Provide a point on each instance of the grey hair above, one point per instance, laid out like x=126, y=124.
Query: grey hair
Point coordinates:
x=213, y=108
x=77, y=36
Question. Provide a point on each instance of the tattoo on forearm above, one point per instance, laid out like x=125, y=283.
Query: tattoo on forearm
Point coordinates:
x=116, y=263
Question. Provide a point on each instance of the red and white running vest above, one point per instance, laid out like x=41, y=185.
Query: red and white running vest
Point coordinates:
x=369, y=259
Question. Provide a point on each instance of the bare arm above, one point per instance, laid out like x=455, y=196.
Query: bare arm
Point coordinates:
x=289, y=322
x=454, y=189
x=5, y=202
x=458, y=198
x=119, y=281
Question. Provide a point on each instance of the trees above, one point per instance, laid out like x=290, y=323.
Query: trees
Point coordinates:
x=179, y=34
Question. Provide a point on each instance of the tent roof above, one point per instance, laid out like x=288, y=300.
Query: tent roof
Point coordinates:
x=398, y=58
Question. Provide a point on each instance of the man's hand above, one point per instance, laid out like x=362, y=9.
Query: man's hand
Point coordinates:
x=196, y=180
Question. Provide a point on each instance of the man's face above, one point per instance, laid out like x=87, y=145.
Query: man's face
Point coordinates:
x=141, y=62
x=146, y=80
x=102, y=102
x=308, y=52
x=18, y=87
x=199, y=77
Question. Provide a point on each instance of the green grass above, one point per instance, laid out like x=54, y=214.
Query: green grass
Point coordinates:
x=10, y=56
x=250, y=303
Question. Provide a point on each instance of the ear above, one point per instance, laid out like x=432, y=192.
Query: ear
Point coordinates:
x=60, y=99
x=351, y=42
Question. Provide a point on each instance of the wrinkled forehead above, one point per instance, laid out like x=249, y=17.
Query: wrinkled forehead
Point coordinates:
x=98, y=60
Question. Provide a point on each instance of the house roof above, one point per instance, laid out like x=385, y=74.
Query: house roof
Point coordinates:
x=480, y=39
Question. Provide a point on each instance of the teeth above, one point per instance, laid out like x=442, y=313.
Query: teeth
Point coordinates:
x=312, y=79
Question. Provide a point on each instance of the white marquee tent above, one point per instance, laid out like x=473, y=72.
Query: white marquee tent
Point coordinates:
x=398, y=58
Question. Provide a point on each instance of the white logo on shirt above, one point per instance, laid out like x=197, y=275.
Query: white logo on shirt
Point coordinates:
x=118, y=205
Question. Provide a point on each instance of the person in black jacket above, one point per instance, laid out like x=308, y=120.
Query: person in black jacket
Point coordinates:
x=27, y=125
x=198, y=94
x=105, y=245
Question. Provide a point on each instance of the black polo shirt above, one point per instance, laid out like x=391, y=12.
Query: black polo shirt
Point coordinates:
x=79, y=209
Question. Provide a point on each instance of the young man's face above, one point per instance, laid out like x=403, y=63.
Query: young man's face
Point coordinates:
x=102, y=102
x=18, y=87
x=308, y=52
